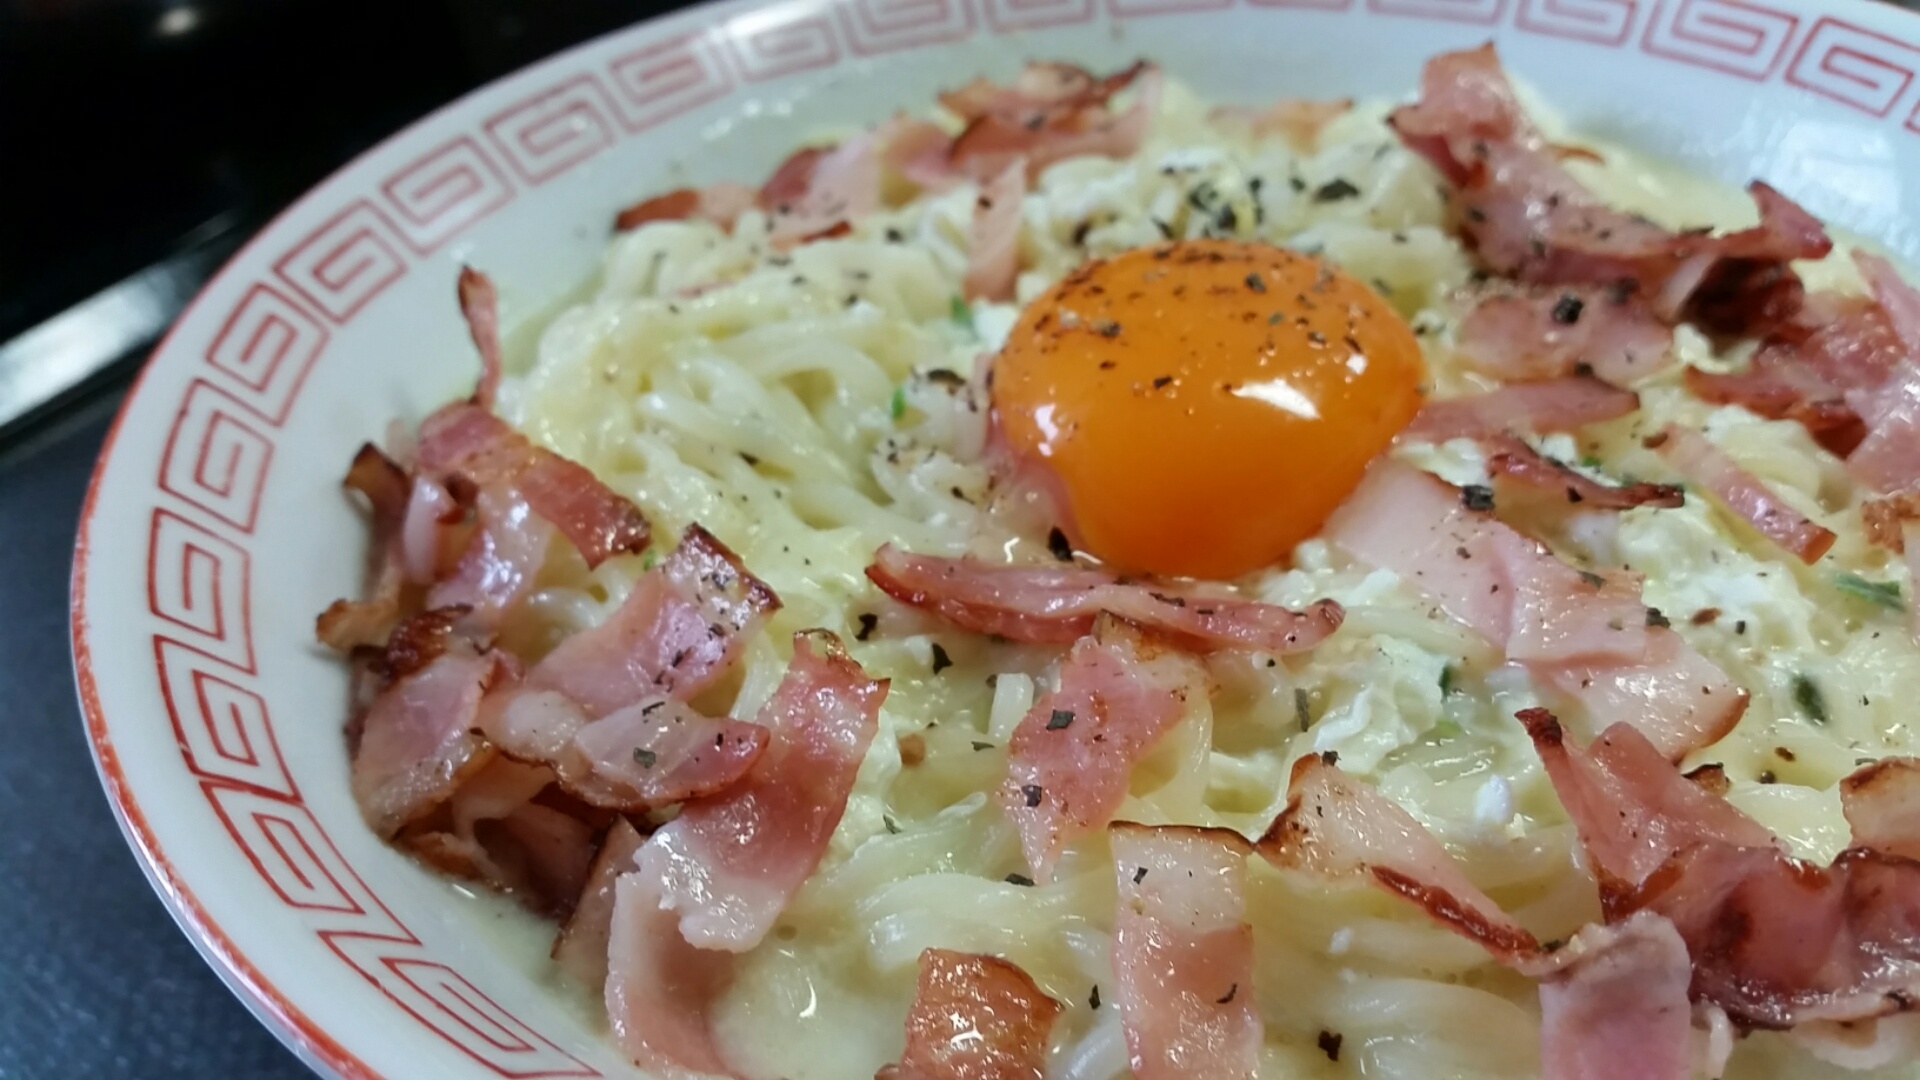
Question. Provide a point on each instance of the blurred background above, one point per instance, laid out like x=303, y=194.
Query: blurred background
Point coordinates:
x=140, y=142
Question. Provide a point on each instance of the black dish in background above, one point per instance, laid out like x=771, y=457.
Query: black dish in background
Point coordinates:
x=144, y=141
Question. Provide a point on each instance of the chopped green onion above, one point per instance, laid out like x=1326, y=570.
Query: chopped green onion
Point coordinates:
x=652, y=556
x=1446, y=680
x=1592, y=461
x=1446, y=729
x=1884, y=594
x=899, y=406
x=1807, y=696
x=961, y=314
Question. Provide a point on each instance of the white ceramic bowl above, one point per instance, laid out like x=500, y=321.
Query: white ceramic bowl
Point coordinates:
x=215, y=529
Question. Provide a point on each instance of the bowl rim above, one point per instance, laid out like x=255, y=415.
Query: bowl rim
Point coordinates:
x=275, y=1007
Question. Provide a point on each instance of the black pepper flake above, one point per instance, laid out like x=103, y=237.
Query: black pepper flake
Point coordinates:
x=1296, y=183
x=1593, y=580
x=978, y=745
x=1161, y=382
x=1228, y=996
x=1093, y=999
x=868, y=620
x=1032, y=793
x=1256, y=282
x=893, y=827
x=941, y=661
x=1335, y=190
x=1107, y=328
x=1061, y=718
x=1808, y=697
x=1302, y=707
x=1567, y=311
x=1740, y=627
x=1574, y=496
x=1784, y=754
x=1476, y=497
x=645, y=757
x=895, y=236
x=1476, y=215
x=1139, y=874
x=1330, y=758
x=1330, y=1045
x=1656, y=617
x=1226, y=219
x=1059, y=547
x=1766, y=777
x=648, y=709
x=1021, y=880
x=1080, y=232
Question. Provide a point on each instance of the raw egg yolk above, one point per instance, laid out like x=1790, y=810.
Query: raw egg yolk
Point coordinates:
x=1204, y=405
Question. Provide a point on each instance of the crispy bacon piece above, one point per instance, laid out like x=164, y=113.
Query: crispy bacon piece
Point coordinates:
x=1582, y=633
x=1882, y=804
x=1743, y=493
x=1634, y=810
x=721, y=204
x=1183, y=952
x=649, y=754
x=500, y=828
x=974, y=1018
x=1559, y=333
x=414, y=745
x=675, y=634
x=1335, y=826
x=729, y=863
x=480, y=305
x=818, y=191
x=1617, y=1009
x=1052, y=112
x=660, y=988
x=1776, y=941
x=1298, y=120
x=1520, y=472
x=470, y=443
x=1058, y=604
x=580, y=950
x=1527, y=217
x=347, y=624
x=1069, y=760
x=993, y=256
x=1551, y=405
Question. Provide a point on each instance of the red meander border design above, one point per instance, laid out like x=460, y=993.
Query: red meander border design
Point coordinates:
x=220, y=450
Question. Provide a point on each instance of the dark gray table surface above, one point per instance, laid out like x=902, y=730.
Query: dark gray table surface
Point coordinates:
x=95, y=981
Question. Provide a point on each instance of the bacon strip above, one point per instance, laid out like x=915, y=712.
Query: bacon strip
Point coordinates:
x=1559, y=333
x=1882, y=804
x=721, y=204
x=650, y=754
x=993, y=256
x=1070, y=758
x=1058, y=604
x=504, y=551
x=466, y=441
x=1527, y=217
x=580, y=950
x=1705, y=464
x=974, y=1018
x=1633, y=809
x=1552, y=405
x=729, y=863
x=347, y=624
x=1337, y=827
x=1520, y=470
x=660, y=988
x=1580, y=633
x=675, y=634
x=480, y=305
x=818, y=193
x=1183, y=952
x=1619, y=1011
x=1054, y=111
x=413, y=747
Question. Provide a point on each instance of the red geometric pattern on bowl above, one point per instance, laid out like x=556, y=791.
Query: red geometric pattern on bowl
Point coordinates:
x=1603, y=22
x=877, y=26
x=1735, y=36
x=444, y=191
x=773, y=45
x=220, y=449
x=1855, y=67
x=1483, y=12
